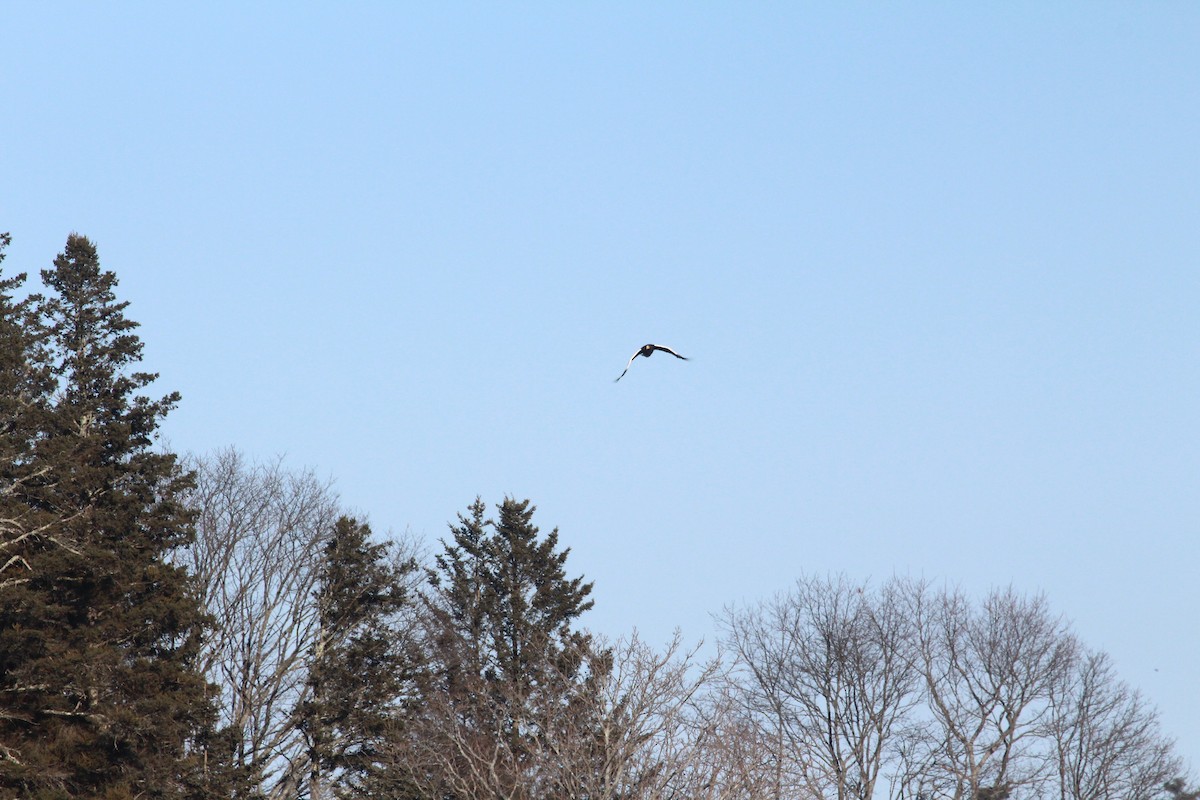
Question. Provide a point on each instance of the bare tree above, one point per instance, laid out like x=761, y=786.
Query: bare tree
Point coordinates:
x=988, y=675
x=745, y=758
x=825, y=674
x=1106, y=741
x=642, y=733
x=259, y=535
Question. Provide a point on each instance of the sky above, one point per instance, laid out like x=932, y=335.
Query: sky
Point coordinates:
x=936, y=267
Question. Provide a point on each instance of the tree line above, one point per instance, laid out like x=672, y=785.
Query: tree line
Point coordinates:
x=209, y=626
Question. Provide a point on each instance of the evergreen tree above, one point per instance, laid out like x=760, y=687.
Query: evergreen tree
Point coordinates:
x=98, y=643
x=506, y=594
x=363, y=665
x=509, y=667
x=25, y=388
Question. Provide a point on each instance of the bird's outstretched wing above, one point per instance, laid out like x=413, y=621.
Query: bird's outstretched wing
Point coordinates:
x=622, y=375
x=668, y=350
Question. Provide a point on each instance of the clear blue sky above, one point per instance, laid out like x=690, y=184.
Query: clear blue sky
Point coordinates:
x=937, y=267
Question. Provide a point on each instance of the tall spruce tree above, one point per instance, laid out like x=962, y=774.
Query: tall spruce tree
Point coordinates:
x=363, y=666
x=509, y=667
x=507, y=595
x=26, y=385
x=98, y=640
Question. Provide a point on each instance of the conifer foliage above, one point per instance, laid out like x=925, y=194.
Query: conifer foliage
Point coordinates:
x=25, y=387
x=99, y=695
x=363, y=665
x=507, y=594
x=508, y=667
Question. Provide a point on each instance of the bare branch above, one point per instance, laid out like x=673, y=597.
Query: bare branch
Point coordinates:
x=826, y=677
x=258, y=541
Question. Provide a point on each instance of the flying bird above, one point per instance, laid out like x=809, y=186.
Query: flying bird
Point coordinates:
x=647, y=351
